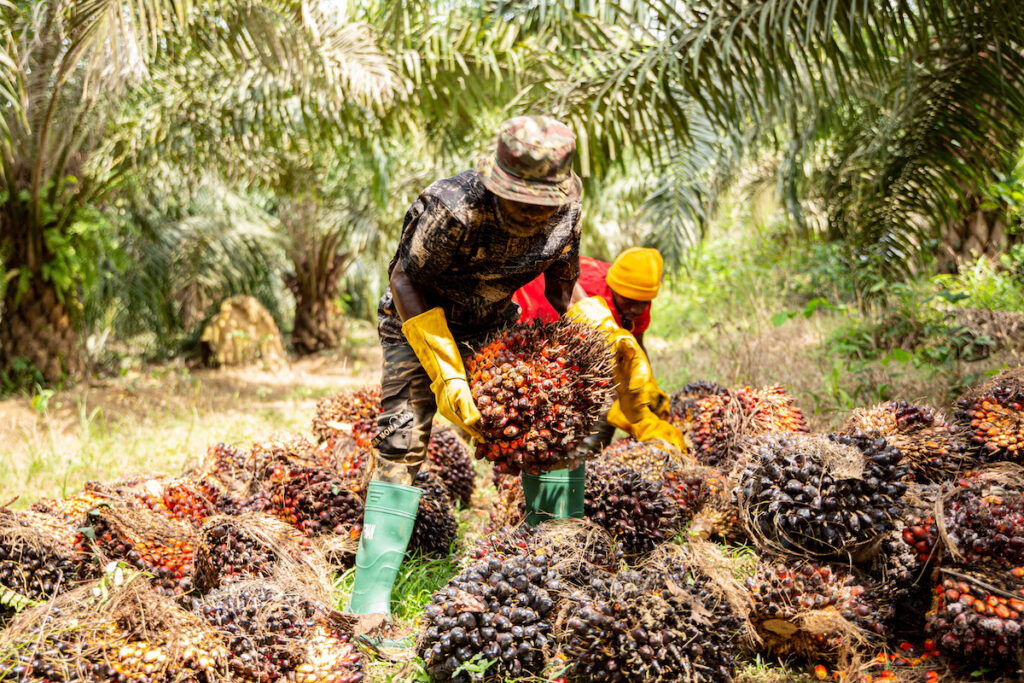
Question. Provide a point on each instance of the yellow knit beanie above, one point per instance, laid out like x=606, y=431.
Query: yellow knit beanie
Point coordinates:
x=636, y=274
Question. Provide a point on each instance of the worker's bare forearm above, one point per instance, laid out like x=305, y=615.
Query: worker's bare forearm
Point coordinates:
x=408, y=296
x=559, y=294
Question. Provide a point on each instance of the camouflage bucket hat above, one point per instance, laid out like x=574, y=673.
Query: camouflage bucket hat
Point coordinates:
x=533, y=162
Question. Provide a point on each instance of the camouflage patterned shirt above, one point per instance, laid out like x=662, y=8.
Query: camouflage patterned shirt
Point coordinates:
x=454, y=246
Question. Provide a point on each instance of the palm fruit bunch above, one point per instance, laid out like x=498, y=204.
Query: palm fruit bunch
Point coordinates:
x=73, y=509
x=716, y=419
x=808, y=609
x=509, y=506
x=329, y=657
x=448, y=456
x=719, y=516
x=350, y=413
x=495, y=609
x=575, y=548
x=978, y=617
x=984, y=518
x=541, y=388
x=146, y=540
x=37, y=557
x=993, y=415
x=929, y=445
x=221, y=475
x=684, y=405
x=314, y=499
x=639, y=513
x=662, y=624
x=280, y=452
x=772, y=409
x=263, y=626
x=435, y=528
x=689, y=486
x=237, y=547
x=112, y=631
x=817, y=496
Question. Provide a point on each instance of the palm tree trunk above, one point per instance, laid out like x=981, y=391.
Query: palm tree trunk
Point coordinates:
x=38, y=330
x=980, y=233
x=318, y=323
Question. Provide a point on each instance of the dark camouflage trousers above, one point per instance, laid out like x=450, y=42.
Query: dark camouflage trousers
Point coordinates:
x=406, y=416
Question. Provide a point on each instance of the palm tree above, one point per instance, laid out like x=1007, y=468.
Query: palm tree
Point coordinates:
x=908, y=108
x=68, y=141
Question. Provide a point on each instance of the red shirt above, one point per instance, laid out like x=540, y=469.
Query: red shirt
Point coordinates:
x=592, y=279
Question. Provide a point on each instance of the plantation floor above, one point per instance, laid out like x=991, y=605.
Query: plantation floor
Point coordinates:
x=157, y=417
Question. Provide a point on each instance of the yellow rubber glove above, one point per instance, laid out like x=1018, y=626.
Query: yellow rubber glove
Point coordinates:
x=648, y=428
x=661, y=404
x=432, y=341
x=632, y=373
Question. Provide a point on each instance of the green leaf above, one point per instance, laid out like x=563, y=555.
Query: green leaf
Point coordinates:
x=780, y=319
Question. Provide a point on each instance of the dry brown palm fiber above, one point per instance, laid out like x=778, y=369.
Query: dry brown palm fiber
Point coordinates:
x=722, y=573
x=146, y=540
x=240, y=547
x=117, y=627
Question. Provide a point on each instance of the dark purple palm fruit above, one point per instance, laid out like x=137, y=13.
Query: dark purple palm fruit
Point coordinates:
x=653, y=624
x=496, y=609
x=435, y=529
x=638, y=513
x=821, y=497
x=449, y=458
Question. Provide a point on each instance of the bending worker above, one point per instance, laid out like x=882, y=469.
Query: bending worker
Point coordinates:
x=468, y=243
x=627, y=288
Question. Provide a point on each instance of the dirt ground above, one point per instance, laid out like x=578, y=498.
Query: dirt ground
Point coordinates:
x=156, y=417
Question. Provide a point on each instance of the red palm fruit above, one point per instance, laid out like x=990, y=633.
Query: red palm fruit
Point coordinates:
x=993, y=416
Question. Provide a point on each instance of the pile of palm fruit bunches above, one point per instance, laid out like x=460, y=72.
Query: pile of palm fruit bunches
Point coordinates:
x=890, y=550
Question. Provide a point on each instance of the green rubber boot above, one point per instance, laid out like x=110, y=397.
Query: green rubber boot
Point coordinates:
x=557, y=494
x=387, y=525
